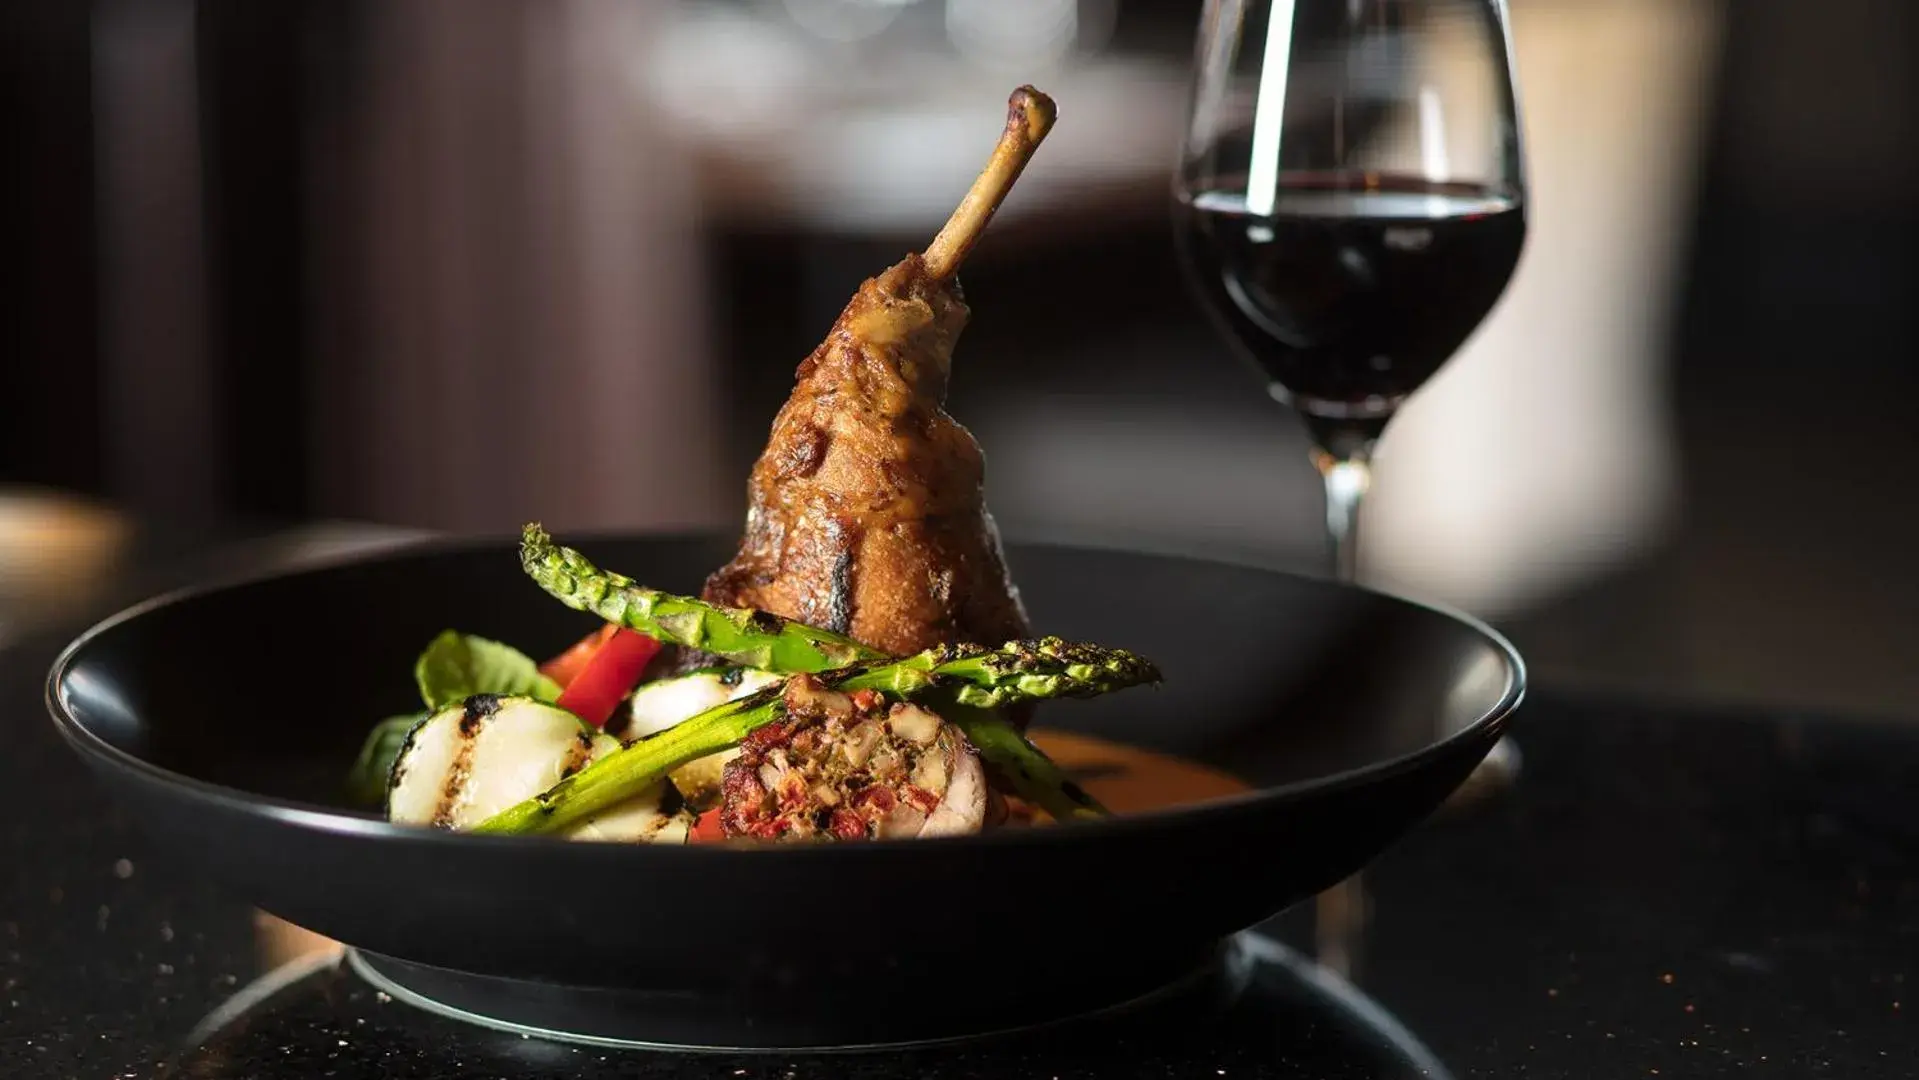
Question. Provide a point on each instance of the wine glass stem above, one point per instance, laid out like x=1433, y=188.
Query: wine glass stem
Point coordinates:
x=1340, y=912
x=1347, y=479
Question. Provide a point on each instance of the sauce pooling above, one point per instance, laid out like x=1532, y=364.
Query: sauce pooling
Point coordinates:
x=1129, y=780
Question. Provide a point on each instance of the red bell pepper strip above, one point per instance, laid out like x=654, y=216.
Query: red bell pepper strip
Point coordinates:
x=614, y=668
x=707, y=828
x=566, y=667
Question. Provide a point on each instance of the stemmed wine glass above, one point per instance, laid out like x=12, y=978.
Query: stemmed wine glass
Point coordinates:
x=1351, y=203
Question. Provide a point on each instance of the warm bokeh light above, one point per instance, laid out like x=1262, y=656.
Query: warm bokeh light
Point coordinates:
x=1542, y=454
x=55, y=555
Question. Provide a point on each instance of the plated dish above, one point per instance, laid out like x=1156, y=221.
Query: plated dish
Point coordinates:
x=861, y=669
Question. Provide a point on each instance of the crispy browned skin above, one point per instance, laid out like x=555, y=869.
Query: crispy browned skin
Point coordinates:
x=867, y=511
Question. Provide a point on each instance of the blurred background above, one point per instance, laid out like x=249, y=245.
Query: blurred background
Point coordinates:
x=381, y=267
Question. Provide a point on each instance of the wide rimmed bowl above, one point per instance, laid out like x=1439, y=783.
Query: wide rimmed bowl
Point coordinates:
x=225, y=718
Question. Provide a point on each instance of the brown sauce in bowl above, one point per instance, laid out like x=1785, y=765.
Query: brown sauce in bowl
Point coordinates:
x=1130, y=780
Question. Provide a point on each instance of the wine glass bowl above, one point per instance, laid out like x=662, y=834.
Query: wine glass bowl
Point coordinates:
x=1350, y=203
x=1354, y=290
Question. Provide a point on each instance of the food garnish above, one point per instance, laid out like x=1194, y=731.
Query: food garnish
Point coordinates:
x=562, y=668
x=608, y=676
x=452, y=668
x=476, y=757
x=737, y=635
x=367, y=780
x=456, y=666
x=1018, y=671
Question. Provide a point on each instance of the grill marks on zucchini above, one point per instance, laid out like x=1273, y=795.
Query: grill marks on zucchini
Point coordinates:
x=470, y=755
x=456, y=779
x=475, y=710
x=474, y=713
x=474, y=757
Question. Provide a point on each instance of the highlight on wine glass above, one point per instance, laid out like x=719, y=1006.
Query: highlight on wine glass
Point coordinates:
x=1351, y=199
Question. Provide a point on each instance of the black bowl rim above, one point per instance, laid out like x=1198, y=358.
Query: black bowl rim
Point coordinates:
x=342, y=822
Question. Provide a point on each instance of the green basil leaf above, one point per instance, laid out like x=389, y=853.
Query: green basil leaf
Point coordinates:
x=456, y=666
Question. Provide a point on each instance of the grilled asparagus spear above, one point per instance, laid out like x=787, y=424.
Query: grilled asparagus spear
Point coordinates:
x=973, y=675
x=740, y=635
x=757, y=639
x=1032, y=774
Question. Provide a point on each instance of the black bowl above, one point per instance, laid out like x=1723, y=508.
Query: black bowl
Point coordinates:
x=226, y=718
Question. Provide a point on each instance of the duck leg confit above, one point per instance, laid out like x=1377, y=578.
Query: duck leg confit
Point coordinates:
x=866, y=511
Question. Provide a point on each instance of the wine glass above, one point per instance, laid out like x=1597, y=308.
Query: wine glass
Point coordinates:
x=1350, y=204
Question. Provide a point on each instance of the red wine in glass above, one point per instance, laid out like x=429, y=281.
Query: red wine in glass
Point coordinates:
x=1354, y=289
x=1350, y=196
